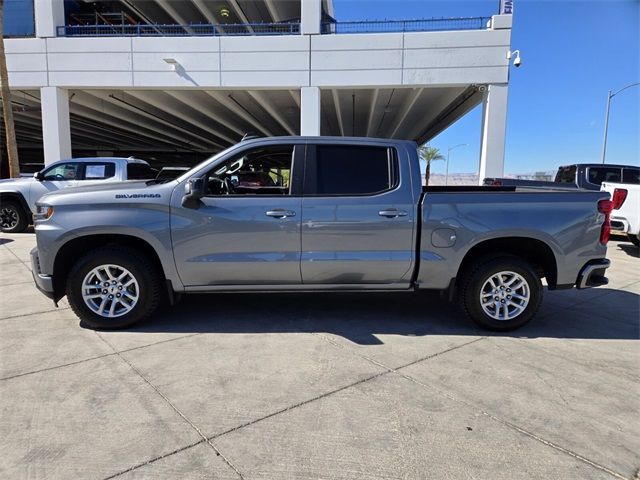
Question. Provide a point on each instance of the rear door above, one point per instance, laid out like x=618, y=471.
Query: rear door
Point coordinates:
x=357, y=216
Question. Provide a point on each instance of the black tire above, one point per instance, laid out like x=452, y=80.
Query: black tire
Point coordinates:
x=475, y=279
x=13, y=218
x=147, y=275
x=635, y=239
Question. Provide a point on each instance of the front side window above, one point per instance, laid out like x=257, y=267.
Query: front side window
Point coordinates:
x=63, y=171
x=99, y=171
x=259, y=171
x=631, y=175
x=350, y=170
x=597, y=175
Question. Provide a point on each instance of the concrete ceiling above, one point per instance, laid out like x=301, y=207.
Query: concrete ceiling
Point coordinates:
x=216, y=12
x=204, y=122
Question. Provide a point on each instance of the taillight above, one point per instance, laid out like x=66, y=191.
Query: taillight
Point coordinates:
x=605, y=207
x=619, y=196
x=496, y=183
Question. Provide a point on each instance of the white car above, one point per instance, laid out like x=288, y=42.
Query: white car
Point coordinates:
x=18, y=196
x=626, y=217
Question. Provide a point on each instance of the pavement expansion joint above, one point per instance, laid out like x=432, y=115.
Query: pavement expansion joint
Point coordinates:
x=450, y=396
x=173, y=406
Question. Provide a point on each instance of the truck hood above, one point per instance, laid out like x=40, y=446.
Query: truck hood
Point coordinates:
x=10, y=182
x=109, y=192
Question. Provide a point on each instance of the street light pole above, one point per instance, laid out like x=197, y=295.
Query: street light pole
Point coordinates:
x=606, y=117
x=446, y=175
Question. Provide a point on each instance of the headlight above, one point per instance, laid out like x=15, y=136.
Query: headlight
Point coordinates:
x=43, y=212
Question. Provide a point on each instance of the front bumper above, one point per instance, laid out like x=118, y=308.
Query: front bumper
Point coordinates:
x=592, y=274
x=43, y=282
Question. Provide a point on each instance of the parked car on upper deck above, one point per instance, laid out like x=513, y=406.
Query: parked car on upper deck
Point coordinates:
x=18, y=196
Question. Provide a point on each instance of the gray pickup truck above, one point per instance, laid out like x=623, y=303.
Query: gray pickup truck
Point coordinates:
x=315, y=214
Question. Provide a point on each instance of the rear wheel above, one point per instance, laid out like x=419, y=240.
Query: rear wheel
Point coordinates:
x=113, y=287
x=13, y=218
x=502, y=293
x=635, y=239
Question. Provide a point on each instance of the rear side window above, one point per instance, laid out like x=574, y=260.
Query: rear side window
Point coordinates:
x=566, y=174
x=98, y=171
x=597, y=175
x=631, y=175
x=350, y=170
x=140, y=171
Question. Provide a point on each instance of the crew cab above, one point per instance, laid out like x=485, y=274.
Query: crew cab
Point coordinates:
x=18, y=195
x=587, y=176
x=315, y=214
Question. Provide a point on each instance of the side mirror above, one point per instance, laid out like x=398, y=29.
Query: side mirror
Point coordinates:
x=38, y=176
x=194, y=190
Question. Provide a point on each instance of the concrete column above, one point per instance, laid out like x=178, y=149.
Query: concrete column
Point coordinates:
x=56, y=128
x=49, y=15
x=311, y=17
x=494, y=127
x=310, y=111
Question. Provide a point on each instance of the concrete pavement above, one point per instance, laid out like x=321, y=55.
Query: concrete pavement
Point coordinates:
x=336, y=386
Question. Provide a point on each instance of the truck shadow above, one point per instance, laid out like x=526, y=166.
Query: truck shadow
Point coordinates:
x=361, y=317
x=630, y=249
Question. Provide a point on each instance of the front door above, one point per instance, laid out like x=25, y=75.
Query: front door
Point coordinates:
x=247, y=229
x=357, y=223
x=57, y=176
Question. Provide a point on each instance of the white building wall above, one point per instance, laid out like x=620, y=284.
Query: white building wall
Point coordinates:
x=290, y=61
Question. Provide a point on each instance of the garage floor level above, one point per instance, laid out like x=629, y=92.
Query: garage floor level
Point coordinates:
x=320, y=386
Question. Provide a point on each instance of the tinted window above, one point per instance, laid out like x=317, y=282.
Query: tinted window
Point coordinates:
x=99, y=171
x=566, y=174
x=63, y=171
x=631, y=175
x=597, y=175
x=140, y=171
x=350, y=170
x=259, y=171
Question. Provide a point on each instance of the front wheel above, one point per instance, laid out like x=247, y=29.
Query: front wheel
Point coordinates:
x=635, y=239
x=113, y=287
x=502, y=293
x=13, y=218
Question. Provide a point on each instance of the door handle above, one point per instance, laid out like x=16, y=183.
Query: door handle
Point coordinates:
x=280, y=213
x=392, y=213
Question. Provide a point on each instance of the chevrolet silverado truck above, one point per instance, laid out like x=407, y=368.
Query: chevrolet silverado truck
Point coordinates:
x=315, y=214
x=18, y=195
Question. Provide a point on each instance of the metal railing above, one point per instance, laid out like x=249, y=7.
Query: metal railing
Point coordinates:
x=394, y=26
x=288, y=28
x=191, y=30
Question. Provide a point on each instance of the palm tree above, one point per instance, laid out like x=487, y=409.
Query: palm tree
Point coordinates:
x=7, y=108
x=429, y=154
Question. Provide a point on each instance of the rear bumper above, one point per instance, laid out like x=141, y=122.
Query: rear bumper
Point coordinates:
x=592, y=274
x=43, y=282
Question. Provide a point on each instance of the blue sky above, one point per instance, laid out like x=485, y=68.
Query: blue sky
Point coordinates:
x=573, y=53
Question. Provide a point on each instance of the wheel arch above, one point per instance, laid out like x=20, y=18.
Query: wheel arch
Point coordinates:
x=70, y=251
x=19, y=197
x=534, y=251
